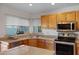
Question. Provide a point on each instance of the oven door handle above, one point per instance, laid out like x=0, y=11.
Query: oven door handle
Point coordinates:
x=65, y=43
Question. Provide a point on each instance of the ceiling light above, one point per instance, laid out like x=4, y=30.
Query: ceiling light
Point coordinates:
x=52, y=3
x=30, y=4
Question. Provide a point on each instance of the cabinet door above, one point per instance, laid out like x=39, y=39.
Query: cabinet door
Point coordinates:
x=33, y=42
x=52, y=21
x=71, y=16
x=26, y=42
x=41, y=43
x=44, y=21
x=77, y=20
x=61, y=17
x=77, y=48
x=49, y=45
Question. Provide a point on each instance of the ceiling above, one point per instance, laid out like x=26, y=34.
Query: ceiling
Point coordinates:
x=38, y=8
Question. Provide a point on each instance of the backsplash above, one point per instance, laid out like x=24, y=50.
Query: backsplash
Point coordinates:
x=49, y=32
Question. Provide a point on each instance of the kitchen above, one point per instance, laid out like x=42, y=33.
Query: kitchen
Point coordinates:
x=39, y=29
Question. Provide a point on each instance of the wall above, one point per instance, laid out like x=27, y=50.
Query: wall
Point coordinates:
x=65, y=9
x=34, y=22
x=4, y=11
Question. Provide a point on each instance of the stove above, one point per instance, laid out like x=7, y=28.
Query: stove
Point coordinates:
x=65, y=44
x=66, y=39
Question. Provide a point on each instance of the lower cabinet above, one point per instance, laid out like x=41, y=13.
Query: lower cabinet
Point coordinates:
x=26, y=42
x=14, y=44
x=32, y=42
x=49, y=45
x=41, y=43
x=77, y=48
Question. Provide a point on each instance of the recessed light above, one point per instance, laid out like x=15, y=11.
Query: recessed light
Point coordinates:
x=52, y=3
x=30, y=4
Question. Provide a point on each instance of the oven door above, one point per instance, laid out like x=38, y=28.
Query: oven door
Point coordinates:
x=65, y=49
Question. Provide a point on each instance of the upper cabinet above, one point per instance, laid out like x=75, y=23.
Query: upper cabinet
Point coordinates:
x=71, y=16
x=61, y=17
x=48, y=21
x=77, y=20
x=44, y=21
x=52, y=21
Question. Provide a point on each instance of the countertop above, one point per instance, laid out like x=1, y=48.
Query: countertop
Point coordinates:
x=10, y=40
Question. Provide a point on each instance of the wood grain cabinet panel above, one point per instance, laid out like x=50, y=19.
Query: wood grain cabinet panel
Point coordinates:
x=52, y=21
x=41, y=43
x=61, y=17
x=44, y=21
x=71, y=16
x=77, y=20
x=15, y=44
x=77, y=48
x=26, y=42
x=50, y=45
x=33, y=42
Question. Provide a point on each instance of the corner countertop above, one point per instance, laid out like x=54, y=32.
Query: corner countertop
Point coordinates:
x=9, y=40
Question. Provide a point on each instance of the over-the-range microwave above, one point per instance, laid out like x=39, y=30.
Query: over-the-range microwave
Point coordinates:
x=66, y=26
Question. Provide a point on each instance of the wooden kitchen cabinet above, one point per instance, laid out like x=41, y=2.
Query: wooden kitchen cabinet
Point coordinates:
x=61, y=17
x=26, y=42
x=41, y=43
x=52, y=21
x=14, y=44
x=44, y=21
x=77, y=48
x=50, y=45
x=77, y=20
x=71, y=16
x=33, y=42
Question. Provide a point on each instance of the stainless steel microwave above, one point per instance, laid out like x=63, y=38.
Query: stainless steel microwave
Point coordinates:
x=66, y=26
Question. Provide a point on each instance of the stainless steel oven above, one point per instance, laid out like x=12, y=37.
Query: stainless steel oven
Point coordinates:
x=64, y=48
x=65, y=44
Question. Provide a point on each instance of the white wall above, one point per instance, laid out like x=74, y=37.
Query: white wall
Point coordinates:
x=4, y=11
x=34, y=22
x=12, y=20
x=65, y=9
x=50, y=32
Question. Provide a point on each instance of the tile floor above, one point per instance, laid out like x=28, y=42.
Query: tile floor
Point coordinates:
x=27, y=50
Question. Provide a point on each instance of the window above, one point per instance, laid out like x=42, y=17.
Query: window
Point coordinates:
x=22, y=29
x=16, y=25
x=11, y=30
x=36, y=24
x=36, y=29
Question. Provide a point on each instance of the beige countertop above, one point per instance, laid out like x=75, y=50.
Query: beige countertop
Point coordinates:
x=9, y=40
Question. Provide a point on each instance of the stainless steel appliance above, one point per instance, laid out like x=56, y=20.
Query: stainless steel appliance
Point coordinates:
x=66, y=26
x=65, y=44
